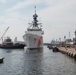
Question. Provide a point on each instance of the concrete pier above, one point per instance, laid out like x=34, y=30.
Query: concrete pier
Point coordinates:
x=68, y=51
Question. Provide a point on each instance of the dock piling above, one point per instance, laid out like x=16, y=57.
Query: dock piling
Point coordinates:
x=68, y=51
x=1, y=59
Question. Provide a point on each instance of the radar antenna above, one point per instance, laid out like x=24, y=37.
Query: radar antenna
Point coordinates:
x=35, y=9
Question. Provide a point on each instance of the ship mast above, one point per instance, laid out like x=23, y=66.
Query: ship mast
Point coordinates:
x=35, y=24
x=35, y=21
x=35, y=9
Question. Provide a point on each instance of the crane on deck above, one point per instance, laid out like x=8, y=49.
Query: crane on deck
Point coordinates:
x=4, y=34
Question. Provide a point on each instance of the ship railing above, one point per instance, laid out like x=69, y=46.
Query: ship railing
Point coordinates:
x=34, y=29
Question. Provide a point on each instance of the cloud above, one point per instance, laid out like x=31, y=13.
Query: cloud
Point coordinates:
x=23, y=4
x=2, y=1
x=59, y=18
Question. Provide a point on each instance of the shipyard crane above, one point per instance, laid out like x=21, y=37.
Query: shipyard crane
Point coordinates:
x=4, y=34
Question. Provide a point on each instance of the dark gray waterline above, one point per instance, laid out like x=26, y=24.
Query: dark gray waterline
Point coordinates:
x=36, y=62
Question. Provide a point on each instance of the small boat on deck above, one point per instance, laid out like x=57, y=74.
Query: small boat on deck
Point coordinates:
x=8, y=44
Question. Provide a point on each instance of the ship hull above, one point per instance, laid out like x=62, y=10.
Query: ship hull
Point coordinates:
x=21, y=46
x=33, y=41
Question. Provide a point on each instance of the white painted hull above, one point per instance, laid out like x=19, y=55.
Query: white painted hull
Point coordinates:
x=33, y=41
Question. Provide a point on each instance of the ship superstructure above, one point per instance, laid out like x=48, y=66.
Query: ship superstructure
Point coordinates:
x=33, y=36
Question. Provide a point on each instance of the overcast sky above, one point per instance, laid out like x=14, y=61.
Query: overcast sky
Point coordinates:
x=58, y=17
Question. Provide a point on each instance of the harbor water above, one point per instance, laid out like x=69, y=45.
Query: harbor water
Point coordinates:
x=36, y=62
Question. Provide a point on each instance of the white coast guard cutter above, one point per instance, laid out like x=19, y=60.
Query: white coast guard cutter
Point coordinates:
x=33, y=36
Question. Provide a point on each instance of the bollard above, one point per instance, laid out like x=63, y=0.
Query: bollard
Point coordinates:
x=75, y=56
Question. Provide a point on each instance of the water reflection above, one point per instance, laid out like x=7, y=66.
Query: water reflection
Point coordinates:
x=33, y=61
x=40, y=50
x=8, y=51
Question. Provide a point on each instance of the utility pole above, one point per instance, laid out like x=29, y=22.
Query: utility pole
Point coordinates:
x=69, y=35
x=75, y=40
